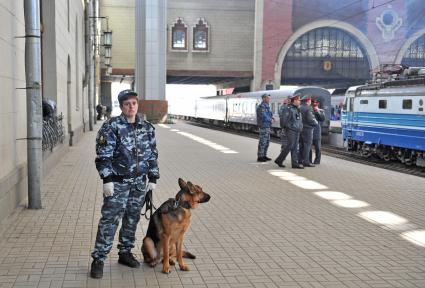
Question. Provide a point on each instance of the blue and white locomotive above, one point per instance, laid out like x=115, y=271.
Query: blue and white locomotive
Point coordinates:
x=387, y=120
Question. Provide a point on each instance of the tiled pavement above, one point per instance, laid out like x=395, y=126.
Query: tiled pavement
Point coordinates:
x=264, y=227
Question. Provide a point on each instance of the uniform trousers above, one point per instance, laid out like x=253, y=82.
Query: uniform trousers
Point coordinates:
x=126, y=204
x=289, y=144
x=263, y=143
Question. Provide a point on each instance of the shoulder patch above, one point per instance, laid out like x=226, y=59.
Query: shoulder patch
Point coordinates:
x=102, y=139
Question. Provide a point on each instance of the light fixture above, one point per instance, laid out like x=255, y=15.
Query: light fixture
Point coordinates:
x=107, y=61
x=108, y=52
x=107, y=38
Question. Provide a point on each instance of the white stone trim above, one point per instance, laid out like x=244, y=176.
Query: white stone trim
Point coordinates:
x=170, y=36
x=407, y=44
x=209, y=36
x=362, y=38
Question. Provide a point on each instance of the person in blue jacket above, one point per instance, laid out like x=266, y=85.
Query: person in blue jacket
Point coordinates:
x=264, y=123
x=126, y=159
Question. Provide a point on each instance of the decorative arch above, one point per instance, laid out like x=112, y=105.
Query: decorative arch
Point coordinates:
x=407, y=44
x=69, y=100
x=362, y=39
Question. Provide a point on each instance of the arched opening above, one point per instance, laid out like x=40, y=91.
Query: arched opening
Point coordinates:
x=69, y=102
x=77, y=70
x=415, y=54
x=326, y=56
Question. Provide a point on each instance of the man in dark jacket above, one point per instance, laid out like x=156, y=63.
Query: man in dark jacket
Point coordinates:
x=306, y=137
x=264, y=122
x=319, y=114
x=291, y=123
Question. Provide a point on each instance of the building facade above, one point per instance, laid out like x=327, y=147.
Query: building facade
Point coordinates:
x=262, y=44
x=63, y=83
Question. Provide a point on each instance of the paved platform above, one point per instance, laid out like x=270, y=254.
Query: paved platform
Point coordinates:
x=341, y=224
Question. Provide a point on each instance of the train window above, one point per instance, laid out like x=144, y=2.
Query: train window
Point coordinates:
x=273, y=106
x=407, y=104
x=364, y=101
x=382, y=104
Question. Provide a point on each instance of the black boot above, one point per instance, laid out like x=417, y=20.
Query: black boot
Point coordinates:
x=127, y=259
x=96, y=271
x=279, y=164
x=261, y=159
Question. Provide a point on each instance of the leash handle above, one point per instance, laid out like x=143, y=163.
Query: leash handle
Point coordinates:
x=148, y=205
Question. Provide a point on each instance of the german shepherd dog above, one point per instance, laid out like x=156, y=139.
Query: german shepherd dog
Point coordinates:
x=168, y=225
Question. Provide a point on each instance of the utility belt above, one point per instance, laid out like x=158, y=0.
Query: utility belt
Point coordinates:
x=125, y=178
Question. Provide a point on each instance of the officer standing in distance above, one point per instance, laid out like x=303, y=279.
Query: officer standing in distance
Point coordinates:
x=291, y=122
x=319, y=114
x=126, y=160
x=306, y=139
x=264, y=122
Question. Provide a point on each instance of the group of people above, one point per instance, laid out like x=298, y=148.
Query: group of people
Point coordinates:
x=126, y=159
x=300, y=122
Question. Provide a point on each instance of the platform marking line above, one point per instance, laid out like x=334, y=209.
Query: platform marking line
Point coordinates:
x=164, y=126
x=384, y=219
x=208, y=143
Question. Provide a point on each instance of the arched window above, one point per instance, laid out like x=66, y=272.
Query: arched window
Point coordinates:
x=415, y=54
x=179, y=35
x=326, y=56
x=201, y=36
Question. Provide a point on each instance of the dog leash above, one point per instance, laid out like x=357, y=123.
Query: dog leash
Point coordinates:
x=148, y=205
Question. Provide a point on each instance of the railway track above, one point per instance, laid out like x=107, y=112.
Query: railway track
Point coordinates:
x=336, y=152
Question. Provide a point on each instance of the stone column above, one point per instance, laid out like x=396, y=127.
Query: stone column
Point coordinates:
x=151, y=44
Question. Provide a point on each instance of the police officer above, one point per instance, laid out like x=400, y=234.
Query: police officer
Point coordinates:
x=319, y=114
x=291, y=123
x=306, y=136
x=264, y=122
x=126, y=160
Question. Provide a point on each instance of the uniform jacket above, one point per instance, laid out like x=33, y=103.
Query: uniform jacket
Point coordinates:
x=290, y=118
x=309, y=121
x=117, y=154
x=264, y=115
x=320, y=117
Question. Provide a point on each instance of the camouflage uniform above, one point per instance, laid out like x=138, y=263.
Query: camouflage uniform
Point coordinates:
x=264, y=122
x=118, y=160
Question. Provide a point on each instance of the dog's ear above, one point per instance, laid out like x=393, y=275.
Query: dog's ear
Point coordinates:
x=190, y=186
x=182, y=184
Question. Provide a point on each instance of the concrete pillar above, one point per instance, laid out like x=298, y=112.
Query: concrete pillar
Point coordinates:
x=151, y=45
x=258, y=46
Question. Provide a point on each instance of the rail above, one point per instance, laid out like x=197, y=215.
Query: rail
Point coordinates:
x=53, y=132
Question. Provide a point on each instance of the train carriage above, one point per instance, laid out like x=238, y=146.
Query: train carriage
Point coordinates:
x=239, y=110
x=387, y=120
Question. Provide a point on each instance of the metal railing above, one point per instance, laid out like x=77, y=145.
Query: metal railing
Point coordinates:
x=53, y=132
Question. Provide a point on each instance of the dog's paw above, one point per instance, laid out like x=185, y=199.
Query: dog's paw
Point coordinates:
x=166, y=270
x=172, y=263
x=152, y=264
x=184, y=267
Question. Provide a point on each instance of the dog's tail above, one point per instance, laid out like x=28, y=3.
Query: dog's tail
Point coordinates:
x=188, y=255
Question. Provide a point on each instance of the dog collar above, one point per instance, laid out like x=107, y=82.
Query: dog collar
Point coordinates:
x=183, y=204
